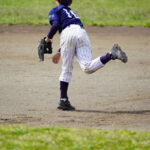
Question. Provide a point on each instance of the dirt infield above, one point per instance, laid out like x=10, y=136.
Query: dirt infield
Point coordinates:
x=115, y=97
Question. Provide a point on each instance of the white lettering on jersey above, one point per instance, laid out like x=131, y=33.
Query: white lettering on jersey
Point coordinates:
x=69, y=13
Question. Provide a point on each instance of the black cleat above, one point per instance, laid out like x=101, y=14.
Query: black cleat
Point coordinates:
x=64, y=104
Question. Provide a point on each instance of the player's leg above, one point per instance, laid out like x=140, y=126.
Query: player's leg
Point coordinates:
x=84, y=55
x=65, y=78
x=67, y=55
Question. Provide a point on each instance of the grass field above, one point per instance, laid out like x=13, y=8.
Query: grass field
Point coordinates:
x=57, y=138
x=98, y=12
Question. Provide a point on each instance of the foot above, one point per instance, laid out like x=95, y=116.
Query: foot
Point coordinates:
x=64, y=104
x=117, y=53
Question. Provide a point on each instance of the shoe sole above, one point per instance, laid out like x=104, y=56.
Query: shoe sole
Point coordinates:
x=65, y=109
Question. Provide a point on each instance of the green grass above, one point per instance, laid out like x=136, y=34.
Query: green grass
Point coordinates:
x=97, y=12
x=57, y=138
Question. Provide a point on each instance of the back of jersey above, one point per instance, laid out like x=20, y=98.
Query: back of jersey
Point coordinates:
x=65, y=16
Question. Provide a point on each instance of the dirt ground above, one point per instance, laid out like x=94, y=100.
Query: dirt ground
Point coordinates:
x=115, y=97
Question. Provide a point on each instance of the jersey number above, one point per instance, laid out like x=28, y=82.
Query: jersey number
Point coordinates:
x=70, y=13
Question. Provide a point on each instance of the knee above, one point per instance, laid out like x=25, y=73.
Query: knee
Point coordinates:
x=87, y=70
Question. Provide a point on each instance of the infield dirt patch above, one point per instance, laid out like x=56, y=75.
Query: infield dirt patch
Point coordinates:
x=115, y=97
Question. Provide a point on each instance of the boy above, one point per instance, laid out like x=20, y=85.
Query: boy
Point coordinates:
x=74, y=41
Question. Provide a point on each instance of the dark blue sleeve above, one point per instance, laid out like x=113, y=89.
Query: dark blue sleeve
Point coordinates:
x=53, y=30
x=52, y=16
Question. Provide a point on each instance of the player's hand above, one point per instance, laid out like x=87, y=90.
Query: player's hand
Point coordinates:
x=47, y=40
x=56, y=58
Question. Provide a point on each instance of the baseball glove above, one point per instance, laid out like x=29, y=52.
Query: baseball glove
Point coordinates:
x=44, y=48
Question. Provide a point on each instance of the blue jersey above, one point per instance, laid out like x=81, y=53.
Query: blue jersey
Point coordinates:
x=65, y=16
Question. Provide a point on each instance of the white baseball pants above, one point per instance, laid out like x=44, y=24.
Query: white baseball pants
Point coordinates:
x=74, y=41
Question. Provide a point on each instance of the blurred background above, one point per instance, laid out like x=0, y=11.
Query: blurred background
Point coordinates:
x=97, y=12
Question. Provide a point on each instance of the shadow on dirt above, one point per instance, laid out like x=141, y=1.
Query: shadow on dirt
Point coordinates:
x=116, y=112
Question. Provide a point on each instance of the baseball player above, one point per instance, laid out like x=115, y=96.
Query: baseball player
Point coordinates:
x=74, y=41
